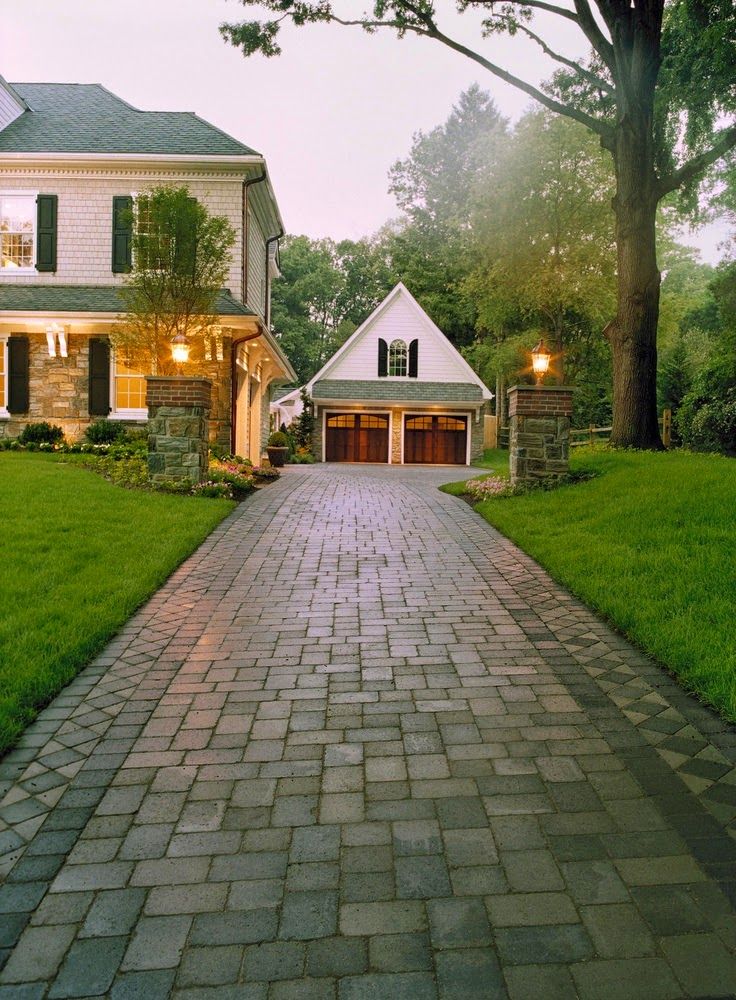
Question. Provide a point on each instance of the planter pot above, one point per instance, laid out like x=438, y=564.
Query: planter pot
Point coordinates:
x=277, y=456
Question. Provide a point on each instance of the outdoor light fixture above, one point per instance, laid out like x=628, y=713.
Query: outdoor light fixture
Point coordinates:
x=180, y=350
x=541, y=358
x=54, y=333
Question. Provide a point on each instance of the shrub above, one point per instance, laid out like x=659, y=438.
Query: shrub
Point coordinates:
x=131, y=473
x=266, y=475
x=216, y=491
x=278, y=440
x=706, y=420
x=42, y=433
x=105, y=432
x=489, y=486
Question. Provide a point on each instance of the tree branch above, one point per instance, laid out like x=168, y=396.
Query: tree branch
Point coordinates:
x=597, y=81
x=537, y=4
x=725, y=140
x=595, y=36
x=600, y=128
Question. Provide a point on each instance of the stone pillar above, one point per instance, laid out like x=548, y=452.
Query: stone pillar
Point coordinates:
x=178, y=427
x=539, y=419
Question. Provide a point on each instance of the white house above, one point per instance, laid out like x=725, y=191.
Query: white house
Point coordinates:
x=73, y=160
x=398, y=391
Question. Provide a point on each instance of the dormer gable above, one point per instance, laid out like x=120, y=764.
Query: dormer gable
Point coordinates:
x=399, y=342
x=12, y=104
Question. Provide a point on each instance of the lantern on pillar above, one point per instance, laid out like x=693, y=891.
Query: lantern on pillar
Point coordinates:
x=541, y=358
x=180, y=350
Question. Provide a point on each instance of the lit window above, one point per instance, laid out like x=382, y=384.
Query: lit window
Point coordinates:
x=398, y=355
x=17, y=231
x=3, y=376
x=129, y=387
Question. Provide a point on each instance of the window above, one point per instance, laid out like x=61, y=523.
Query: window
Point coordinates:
x=398, y=355
x=3, y=377
x=17, y=231
x=128, y=389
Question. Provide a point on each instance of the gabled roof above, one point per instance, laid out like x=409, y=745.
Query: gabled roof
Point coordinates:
x=87, y=118
x=399, y=291
x=53, y=299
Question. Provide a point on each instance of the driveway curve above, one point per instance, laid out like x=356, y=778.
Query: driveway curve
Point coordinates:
x=360, y=746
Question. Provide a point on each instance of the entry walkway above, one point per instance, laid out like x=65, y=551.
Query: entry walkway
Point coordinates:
x=360, y=747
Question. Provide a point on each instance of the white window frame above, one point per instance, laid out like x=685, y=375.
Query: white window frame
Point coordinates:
x=4, y=412
x=128, y=414
x=389, y=373
x=6, y=271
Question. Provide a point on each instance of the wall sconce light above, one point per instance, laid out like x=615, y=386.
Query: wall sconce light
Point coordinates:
x=541, y=358
x=55, y=333
x=180, y=350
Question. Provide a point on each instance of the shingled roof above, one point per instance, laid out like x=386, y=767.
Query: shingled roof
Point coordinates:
x=52, y=299
x=410, y=390
x=87, y=118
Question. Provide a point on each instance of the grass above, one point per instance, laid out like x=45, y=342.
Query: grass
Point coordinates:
x=495, y=460
x=650, y=544
x=77, y=557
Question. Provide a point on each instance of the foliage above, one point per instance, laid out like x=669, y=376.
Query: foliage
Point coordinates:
x=181, y=257
x=325, y=291
x=213, y=490
x=488, y=486
x=302, y=428
x=41, y=433
x=105, y=431
x=278, y=440
x=72, y=543
x=655, y=89
x=663, y=526
x=265, y=475
x=238, y=476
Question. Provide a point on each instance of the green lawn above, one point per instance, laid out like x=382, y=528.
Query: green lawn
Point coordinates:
x=77, y=557
x=651, y=545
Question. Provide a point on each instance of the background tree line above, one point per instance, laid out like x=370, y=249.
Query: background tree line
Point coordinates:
x=506, y=235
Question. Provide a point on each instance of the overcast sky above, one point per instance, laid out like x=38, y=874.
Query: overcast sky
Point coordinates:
x=331, y=114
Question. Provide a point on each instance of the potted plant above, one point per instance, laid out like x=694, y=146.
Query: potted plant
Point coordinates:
x=278, y=449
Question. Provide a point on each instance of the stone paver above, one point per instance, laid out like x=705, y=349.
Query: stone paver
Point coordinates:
x=360, y=746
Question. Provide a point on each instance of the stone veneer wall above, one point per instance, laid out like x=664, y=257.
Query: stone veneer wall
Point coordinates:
x=58, y=390
x=476, y=433
x=539, y=418
x=178, y=432
x=317, y=433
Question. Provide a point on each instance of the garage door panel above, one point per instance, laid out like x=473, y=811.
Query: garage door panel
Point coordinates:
x=356, y=437
x=435, y=440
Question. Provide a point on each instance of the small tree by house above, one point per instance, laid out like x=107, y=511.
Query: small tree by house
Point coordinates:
x=303, y=426
x=180, y=261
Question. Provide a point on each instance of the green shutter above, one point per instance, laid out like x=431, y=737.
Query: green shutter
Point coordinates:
x=46, y=210
x=18, y=375
x=99, y=378
x=122, y=233
x=382, y=358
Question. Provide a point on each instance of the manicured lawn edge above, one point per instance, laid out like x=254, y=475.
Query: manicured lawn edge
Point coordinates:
x=649, y=545
x=78, y=556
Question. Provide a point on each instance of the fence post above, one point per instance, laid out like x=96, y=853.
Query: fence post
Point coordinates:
x=591, y=434
x=667, y=428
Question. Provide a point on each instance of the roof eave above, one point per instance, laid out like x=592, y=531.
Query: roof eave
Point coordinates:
x=235, y=160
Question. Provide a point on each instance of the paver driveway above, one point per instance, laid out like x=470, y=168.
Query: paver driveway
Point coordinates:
x=361, y=747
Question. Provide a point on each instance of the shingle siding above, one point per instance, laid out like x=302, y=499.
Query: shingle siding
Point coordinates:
x=85, y=216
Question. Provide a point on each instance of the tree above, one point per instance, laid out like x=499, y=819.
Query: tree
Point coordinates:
x=658, y=83
x=326, y=289
x=180, y=261
x=544, y=237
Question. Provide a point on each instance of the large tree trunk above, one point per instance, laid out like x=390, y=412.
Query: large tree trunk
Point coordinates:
x=633, y=332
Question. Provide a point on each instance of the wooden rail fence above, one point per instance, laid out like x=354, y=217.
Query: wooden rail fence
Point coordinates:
x=492, y=433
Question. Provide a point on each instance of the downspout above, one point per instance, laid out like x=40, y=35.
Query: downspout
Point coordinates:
x=234, y=384
x=246, y=184
x=269, y=241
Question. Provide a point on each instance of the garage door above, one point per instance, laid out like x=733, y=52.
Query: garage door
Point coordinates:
x=356, y=437
x=436, y=440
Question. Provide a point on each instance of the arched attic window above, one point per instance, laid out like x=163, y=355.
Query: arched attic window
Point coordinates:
x=398, y=358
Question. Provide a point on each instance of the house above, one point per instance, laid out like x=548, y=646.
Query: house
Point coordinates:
x=73, y=157
x=397, y=391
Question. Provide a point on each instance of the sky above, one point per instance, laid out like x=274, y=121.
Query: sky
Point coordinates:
x=331, y=114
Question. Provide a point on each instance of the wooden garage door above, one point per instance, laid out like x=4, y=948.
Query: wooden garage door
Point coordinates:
x=356, y=437
x=436, y=440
